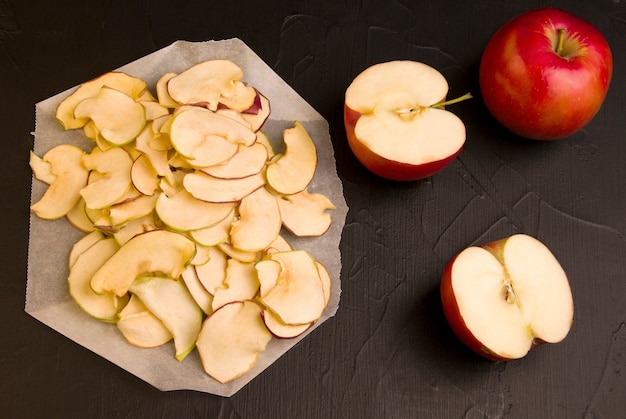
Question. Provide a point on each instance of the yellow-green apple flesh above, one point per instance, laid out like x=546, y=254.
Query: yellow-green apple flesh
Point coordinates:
x=507, y=297
x=545, y=74
x=392, y=126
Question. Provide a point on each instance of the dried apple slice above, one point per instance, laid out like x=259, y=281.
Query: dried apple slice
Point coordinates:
x=248, y=160
x=268, y=272
x=240, y=283
x=212, y=189
x=213, y=273
x=114, y=167
x=41, y=169
x=280, y=244
x=69, y=177
x=134, y=228
x=162, y=94
x=292, y=171
x=280, y=329
x=77, y=217
x=210, y=83
x=143, y=175
x=132, y=86
x=231, y=340
x=170, y=301
x=304, y=214
x=258, y=114
x=214, y=235
x=240, y=255
x=200, y=295
x=183, y=212
x=117, y=117
x=155, y=251
x=140, y=327
x=104, y=306
x=132, y=209
x=206, y=138
x=158, y=158
x=83, y=244
x=259, y=221
x=298, y=296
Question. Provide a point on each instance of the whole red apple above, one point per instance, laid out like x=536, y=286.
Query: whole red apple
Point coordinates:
x=395, y=122
x=545, y=74
x=507, y=297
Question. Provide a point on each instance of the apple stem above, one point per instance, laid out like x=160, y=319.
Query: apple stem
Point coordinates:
x=559, y=44
x=466, y=96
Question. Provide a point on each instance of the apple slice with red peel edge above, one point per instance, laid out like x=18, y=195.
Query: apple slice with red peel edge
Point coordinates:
x=507, y=297
x=231, y=340
x=247, y=161
x=170, y=301
x=117, y=117
x=298, y=296
x=183, y=212
x=140, y=327
x=158, y=158
x=200, y=295
x=103, y=306
x=392, y=125
x=154, y=251
x=210, y=83
x=304, y=214
x=206, y=138
x=213, y=273
x=280, y=329
x=280, y=244
x=143, y=175
x=214, y=235
x=258, y=113
x=202, y=256
x=132, y=86
x=293, y=171
x=259, y=221
x=70, y=177
x=268, y=272
x=240, y=284
x=114, y=167
x=240, y=255
x=212, y=189
x=134, y=228
x=163, y=95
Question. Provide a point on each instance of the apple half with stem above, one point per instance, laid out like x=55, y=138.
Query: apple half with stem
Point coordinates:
x=507, y=297
x=395, y=121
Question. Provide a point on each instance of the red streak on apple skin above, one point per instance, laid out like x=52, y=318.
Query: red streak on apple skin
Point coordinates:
x=533, y=91
x=388, y=169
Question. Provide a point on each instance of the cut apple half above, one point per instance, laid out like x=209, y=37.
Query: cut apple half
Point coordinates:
x=212, y=189
x=117, y=116
x=122, y=82
x=507, y=297
x=104, y=306
x=140, y=327
x=305, y=214
x=298, y=296
x=70, y=176
x=206, y=138
x=155, y=251
x=292, y=171
x=210, y=83
x=113, y=180
x=259, y=221
x=231, y=340
x=183, y=212
x=247, y=161
x=392, y=125
x=170, y=301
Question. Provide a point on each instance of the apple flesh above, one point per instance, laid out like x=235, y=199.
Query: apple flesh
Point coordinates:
x=507, y=297
x=392, y=126
x=545, y=73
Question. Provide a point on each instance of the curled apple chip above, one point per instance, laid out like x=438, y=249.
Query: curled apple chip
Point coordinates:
x=304, y=213
x=140, y=327
x=113, y=181
x=183, y=212
x=259, y=221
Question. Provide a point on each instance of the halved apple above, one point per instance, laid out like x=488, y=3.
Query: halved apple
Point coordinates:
x=259, y=221
x=507, y=297
x=210, y=83
x=140, y=327
x=293, y=171
x=231, y=340
x=70, y=176
x=155, y=251
x=117, y=116
x=183, y=212
x=132, y=86
x=169, y=300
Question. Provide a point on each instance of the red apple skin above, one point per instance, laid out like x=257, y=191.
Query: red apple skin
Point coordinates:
x=453, y=315
x=388, y=169
x=533, y=91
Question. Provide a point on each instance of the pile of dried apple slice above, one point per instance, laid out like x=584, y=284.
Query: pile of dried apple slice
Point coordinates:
x=182, y=200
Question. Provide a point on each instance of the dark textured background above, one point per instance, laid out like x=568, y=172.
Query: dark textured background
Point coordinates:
x=388, y=353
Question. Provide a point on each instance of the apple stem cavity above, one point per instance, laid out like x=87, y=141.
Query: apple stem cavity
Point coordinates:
x=442, y=104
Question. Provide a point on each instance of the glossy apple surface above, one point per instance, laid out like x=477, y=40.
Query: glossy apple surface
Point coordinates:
x=545, y=73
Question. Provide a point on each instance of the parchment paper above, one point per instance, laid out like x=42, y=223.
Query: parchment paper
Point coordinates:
x=47, y=296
